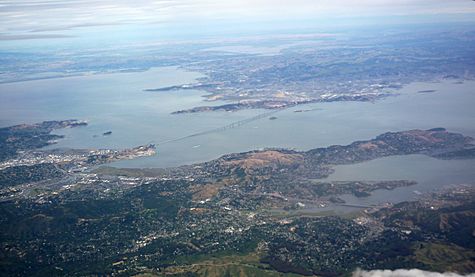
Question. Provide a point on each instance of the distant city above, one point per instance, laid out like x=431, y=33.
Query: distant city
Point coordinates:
x=192, y=138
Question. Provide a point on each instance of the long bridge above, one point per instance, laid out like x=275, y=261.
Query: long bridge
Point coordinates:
x=223, y=128
x=358, y=205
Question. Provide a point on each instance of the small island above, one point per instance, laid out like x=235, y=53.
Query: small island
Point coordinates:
x=427, y=91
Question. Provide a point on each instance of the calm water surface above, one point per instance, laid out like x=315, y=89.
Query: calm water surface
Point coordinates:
x=429, y=173
x=117, y=103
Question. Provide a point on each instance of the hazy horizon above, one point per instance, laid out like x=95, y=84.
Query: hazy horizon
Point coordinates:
x=92, y=23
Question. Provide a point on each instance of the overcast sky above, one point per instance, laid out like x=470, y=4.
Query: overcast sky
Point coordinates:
x=23, y=19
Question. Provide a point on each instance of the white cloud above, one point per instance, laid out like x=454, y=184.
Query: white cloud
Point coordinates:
x=405, y=273
x=37, y=15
